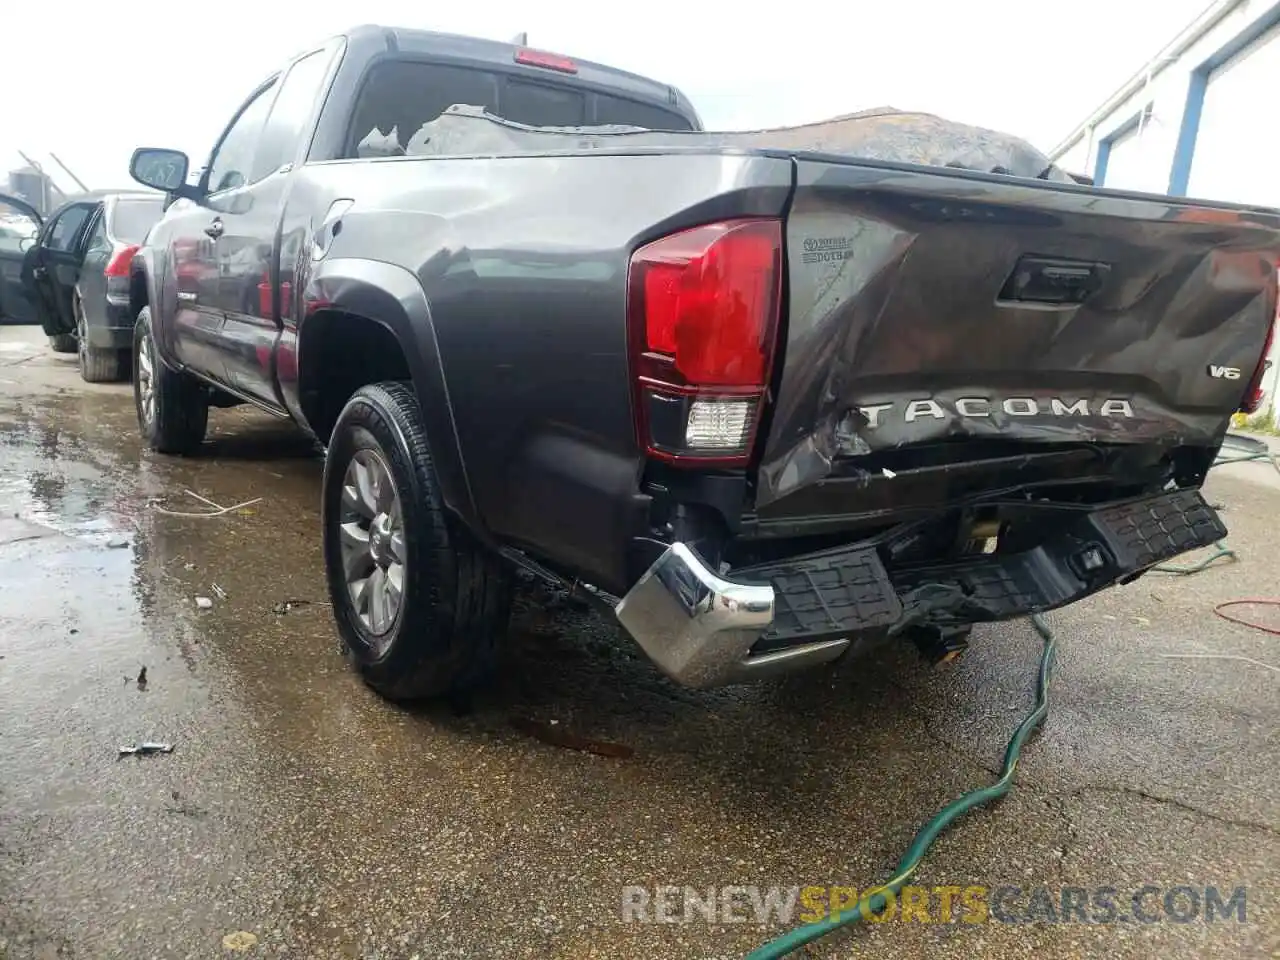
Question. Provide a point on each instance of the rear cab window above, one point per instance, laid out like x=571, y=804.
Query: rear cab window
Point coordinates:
x=398, y=97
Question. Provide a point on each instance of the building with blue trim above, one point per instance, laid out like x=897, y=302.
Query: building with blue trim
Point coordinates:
x=1199, y=119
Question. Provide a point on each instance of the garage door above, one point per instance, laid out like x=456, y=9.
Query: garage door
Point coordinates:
x=1131, y=165
x=1237, y=154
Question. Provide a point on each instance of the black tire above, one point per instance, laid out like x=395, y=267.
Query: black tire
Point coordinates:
x=63, y=343
x=179, y=415
x=456, y=596
x=96, y=365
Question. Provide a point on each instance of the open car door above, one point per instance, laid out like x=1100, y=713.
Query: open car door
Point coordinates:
x=20, y=224
x=51, y=266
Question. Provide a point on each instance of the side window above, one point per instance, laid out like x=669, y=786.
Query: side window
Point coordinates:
x=232, y=160
x=98, y=237
x=290, y=114
x=16, y=228
x=63, y=233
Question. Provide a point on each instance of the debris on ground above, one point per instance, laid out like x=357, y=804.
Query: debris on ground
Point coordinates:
x=557, y=736
x=142, y=679
x=215, y=510
x=203, y=603
x=240, y=941
x=146, y=748
x=285, y=606
x=218, y=591
x=1221, y=656
x=117, y=544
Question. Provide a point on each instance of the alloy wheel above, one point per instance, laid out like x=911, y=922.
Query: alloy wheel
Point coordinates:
x=82, y=335
x=146, y=386
x=371, y=535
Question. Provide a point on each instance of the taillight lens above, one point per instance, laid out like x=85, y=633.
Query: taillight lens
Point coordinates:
x=121, y=258
x=1254, y=394
x=703, y=320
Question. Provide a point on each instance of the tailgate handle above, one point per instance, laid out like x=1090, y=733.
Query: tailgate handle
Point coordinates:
x=1053, y=280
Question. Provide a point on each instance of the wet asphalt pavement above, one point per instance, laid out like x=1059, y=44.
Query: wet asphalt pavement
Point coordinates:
x=299, y=815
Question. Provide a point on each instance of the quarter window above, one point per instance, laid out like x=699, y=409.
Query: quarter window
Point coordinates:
x=98, y=238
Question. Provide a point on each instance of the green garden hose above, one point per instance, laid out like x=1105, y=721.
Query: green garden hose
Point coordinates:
x=875, y=900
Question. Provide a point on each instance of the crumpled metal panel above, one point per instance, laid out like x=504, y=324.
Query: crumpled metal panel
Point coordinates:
x=883, y=134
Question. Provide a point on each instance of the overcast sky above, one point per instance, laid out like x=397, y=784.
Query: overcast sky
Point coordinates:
x=92, y=84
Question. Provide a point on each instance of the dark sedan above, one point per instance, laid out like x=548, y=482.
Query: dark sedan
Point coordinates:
x=74, y=276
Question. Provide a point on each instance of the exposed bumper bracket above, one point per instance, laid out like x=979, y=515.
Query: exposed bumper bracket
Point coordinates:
x=699, y=628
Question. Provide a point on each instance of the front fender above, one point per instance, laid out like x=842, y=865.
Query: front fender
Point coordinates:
x=393, y=297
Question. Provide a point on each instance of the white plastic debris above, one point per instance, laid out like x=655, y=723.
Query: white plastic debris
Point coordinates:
x=203, y=603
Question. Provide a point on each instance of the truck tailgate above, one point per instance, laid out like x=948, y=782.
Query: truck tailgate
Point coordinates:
x=927, y=309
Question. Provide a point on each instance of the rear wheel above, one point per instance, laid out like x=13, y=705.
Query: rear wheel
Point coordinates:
x=173, y=407
x=419, y=605
x=96, y=365
x=64, y=343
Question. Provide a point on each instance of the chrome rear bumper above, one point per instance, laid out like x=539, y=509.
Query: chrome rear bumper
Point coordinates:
x=699, y=628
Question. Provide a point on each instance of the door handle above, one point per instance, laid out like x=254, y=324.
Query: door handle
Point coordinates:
x=215, y=229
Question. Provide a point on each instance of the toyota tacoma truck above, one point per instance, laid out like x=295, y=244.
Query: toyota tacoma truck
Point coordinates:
x=770, y=397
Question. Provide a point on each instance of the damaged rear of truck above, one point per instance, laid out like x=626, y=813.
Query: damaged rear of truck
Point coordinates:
x=913, y=400
x=977, y=399
x=774, y=405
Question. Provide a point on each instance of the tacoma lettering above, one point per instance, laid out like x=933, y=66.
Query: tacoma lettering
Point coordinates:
x=875, y=414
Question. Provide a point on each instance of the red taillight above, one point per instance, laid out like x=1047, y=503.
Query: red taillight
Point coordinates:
x=548, y=61
x=118, y=265
x=703, y=319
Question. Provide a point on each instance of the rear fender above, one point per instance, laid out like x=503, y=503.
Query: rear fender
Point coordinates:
x=392, y=297
x=145, y=290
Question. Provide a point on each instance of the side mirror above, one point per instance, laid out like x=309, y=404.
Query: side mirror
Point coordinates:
x=160, y=169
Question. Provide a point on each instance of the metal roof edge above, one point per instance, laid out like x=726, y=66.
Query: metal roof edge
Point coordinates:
x=1202, y=24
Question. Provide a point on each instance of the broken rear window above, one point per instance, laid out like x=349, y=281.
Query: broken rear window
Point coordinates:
x=399, y=97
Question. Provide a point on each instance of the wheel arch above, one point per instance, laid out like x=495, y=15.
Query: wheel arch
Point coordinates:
x=365, y=321
x=143, y=290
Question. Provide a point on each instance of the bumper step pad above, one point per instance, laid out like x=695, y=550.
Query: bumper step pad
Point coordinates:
x=828, y=593
x=1153, y=531
x=849, y=591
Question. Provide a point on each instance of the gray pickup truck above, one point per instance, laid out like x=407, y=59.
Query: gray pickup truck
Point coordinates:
x=770, y=398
